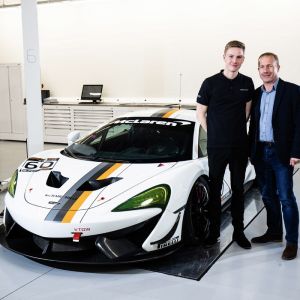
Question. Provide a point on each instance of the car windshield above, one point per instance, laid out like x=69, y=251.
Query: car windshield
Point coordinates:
x=137, y=140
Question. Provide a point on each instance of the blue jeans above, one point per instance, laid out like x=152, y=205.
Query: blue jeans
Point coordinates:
x=276, y=183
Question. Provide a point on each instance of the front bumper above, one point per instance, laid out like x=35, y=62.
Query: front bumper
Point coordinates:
x=118, y=247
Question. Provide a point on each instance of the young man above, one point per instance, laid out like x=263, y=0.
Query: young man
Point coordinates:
x=223, y=107
x=275, y=150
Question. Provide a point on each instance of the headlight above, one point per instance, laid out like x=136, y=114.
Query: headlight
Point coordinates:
x=13, y=184
x=157, y=196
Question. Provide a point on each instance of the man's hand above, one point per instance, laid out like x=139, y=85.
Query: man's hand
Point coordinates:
x=201, y=115
x=294, y=161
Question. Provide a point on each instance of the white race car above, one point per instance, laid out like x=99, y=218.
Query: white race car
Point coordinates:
x=134, y=189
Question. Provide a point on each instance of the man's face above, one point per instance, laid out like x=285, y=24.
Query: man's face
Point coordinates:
x=233, y=58
x=268, y=69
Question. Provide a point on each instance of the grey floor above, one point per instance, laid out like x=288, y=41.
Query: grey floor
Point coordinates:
x=258, y=273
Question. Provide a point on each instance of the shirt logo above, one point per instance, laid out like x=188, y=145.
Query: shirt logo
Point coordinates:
x=244, y=90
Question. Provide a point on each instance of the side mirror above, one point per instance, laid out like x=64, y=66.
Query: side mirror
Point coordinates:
x=73, y=137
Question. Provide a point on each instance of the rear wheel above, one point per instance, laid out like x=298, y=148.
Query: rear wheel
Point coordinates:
x=196, y=222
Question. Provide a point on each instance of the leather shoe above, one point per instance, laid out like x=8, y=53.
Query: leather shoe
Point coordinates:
x=241, y=240
x=290, y=252
x=266, y=238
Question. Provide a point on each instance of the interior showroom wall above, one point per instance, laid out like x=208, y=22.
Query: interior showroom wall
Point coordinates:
x=153, y=49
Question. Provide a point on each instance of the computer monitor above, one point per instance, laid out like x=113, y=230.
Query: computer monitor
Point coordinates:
x=91, y=92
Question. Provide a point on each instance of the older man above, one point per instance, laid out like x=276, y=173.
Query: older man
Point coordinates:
x=275, y=150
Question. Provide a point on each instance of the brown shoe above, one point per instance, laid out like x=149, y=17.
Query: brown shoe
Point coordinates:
x=290, y=252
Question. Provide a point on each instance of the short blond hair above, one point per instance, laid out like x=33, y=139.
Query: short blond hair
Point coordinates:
x=234, y=44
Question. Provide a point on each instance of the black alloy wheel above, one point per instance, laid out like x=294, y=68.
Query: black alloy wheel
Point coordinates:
x=196, y=222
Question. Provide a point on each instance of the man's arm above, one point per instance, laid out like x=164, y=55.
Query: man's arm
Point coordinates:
x=295, y=157
x=248, y=109
x=201, y=115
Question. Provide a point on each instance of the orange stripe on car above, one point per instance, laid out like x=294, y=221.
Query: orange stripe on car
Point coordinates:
x=170, y=112
x=77, y=204
x=74, y=208
x=109, y=171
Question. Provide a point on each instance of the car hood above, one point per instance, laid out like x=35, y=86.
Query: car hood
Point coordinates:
x=72, y=184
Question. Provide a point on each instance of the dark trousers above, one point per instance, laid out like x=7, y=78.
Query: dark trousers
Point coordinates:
x=275, y=180
x=218, y=159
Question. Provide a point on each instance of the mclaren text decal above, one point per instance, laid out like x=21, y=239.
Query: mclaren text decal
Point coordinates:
x=35, y=164
x=71, y=202
x=154, y=122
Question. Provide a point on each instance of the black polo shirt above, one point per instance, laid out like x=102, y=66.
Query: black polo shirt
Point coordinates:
x=226, y=101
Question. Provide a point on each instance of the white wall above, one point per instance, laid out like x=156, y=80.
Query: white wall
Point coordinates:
x=138, y=48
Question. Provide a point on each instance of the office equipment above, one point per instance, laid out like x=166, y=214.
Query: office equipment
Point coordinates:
x=45, y=94
x=91, y=92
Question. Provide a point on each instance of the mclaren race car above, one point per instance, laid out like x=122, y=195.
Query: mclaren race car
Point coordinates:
x=134, y=189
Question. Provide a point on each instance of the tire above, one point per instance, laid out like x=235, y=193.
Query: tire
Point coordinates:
x=196, y=223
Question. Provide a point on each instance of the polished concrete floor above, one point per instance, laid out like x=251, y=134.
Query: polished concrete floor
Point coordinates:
x=258, y=273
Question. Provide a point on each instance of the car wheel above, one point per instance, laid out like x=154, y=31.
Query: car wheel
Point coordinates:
x=196, y=222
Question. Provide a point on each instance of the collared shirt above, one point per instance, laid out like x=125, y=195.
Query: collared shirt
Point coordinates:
x=266, y=113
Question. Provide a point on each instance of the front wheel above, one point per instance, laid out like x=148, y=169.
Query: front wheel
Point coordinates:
x=196, y=223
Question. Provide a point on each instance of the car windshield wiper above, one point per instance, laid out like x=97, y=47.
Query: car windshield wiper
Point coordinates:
x=69, y=153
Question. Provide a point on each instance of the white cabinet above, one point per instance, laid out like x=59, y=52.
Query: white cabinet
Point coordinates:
x=12, y=110
x=61, y=119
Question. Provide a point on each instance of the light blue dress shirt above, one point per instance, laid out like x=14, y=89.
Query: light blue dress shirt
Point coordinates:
x=266, y=112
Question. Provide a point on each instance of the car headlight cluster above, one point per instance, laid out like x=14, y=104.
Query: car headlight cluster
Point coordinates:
x=13, y=184
x=157, y=196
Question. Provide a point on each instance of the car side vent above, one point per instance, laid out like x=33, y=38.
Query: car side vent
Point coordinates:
x=55, y=179
x=94, y=184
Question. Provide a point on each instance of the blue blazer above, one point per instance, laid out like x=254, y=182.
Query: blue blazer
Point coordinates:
x=285, y=122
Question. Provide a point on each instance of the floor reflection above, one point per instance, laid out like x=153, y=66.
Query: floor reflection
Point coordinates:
x=194, y=262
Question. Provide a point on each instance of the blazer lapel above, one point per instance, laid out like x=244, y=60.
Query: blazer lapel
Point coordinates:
x=278, y=98
x=257, y=104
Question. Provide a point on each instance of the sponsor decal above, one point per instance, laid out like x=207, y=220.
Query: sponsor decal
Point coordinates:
x=82, y=229
x=57, y=196
x=152, y=122
x=168, y=243
x=53, y=202
x=34, y=164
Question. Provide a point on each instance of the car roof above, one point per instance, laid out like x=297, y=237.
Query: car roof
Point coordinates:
x=169, y=112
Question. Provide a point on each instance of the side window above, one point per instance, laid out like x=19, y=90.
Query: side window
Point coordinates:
x=202, y=143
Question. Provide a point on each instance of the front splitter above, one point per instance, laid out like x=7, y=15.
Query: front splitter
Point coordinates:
x=27, y=248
